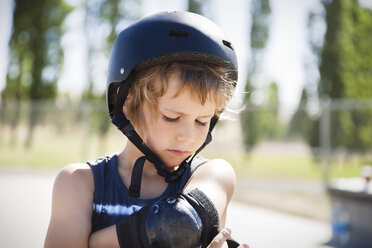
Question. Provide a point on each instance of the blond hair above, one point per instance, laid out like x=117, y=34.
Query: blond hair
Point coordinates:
x=204, y=81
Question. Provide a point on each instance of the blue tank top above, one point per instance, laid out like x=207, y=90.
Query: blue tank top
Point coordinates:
x=111, y=200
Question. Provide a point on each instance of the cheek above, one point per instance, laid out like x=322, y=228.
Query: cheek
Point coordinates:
x=156, y=132
x=202, y=134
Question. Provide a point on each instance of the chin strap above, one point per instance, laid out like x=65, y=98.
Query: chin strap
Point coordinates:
x=124, y=125
x=136, y=178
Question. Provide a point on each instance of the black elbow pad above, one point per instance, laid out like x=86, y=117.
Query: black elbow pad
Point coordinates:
x=185, y=221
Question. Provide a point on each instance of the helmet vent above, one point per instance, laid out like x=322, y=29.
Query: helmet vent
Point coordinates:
x=228, y=44
x=181, y=33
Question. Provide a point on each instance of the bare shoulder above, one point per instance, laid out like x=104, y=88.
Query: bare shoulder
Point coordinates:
x=73, y=180
x=216, y=176
x=70, y=221
x=218, y=170
x=73, y=186
x=76, y=174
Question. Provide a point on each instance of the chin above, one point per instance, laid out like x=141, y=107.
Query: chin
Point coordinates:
x=172, y=164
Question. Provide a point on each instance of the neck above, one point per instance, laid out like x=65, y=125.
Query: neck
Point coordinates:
x=129, y=156
x=152, y=183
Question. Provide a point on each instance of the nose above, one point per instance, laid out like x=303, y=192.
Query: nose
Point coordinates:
x=185, y=133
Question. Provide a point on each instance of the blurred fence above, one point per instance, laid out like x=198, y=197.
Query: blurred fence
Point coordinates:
x=64, y=132
x=335, y=131
x=72, y=131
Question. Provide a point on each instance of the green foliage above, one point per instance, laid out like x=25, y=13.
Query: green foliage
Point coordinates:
x=301, y=123
x=35, y=56
x=352, y=129
x=346, y=56
x=260, y=29
x=196, y=6
x=260, y=121
x=258, y=125
x=345, y=69
x=110, y=14
x=98, y=118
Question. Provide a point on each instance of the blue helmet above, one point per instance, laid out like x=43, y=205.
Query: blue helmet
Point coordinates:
x=167, y=37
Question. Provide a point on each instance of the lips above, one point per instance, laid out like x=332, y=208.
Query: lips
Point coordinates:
x=179, y=153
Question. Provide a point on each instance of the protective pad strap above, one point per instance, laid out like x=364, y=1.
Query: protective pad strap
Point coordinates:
x=207, y=213
x=232, y=243
x=131, y=232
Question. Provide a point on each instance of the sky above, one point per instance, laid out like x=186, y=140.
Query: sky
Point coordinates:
x=285, y=53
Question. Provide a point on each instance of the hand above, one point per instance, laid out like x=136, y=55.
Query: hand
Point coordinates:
x=221, y=237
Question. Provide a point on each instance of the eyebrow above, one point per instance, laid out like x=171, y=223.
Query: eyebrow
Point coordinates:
x=181, y=113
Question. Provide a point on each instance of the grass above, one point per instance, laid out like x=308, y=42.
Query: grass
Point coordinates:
x=54, y=149
x=289, y=167
x=273, y=166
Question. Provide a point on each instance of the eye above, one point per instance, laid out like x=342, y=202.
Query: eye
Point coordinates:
x=202, y=123
x=166, y=118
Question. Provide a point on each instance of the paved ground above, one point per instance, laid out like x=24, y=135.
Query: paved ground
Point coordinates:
x=25, y=201
x=299, y=197
x=25, y=211
x=263, y=228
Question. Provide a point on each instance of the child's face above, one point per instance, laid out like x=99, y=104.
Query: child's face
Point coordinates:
x=180, y=127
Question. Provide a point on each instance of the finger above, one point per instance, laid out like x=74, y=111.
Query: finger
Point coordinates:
x=243, y=246
x=220, y=238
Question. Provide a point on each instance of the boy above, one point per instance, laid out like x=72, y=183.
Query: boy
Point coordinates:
x=170, y=76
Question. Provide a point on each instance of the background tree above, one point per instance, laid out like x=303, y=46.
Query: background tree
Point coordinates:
x=108, y=16
x=35, y=56
x=303, y=123
x=195, y=6
x=345, y=73
x=251, y=121
x=18, y=76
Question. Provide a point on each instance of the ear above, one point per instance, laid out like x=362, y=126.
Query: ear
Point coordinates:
x=126, y=103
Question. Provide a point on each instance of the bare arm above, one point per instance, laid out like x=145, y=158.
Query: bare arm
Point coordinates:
x=104, y=238
x=217, y=180
x=70, y=222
